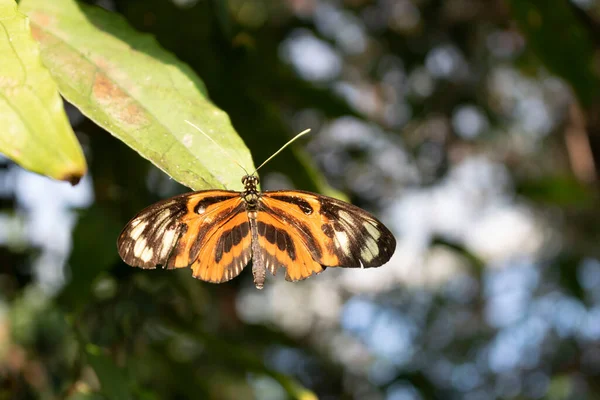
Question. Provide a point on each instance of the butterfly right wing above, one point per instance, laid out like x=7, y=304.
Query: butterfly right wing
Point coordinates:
x=336, y=233
x=188, y=229
x=281, y=244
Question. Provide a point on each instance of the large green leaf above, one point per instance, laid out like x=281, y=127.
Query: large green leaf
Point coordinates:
x=125, y=82
x=34, y=129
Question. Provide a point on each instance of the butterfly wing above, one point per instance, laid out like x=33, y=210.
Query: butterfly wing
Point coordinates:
x=182, y=231
x=281, y=244
x=225, y=248
x=335, y=233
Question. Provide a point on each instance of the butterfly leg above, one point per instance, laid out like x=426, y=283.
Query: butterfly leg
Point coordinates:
x=258, y=261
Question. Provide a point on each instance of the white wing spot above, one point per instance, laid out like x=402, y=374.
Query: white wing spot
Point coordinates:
x=370, y=250
x=167, y=243
x=343, y=242
x=372, y=229
x=162, y=216
x=345, y=216
x=147, y=254
x=138, y=229
x=373, y=246
x=139, y=247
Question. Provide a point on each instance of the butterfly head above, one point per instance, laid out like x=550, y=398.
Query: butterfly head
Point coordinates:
x=250, y=182
x=250, y=193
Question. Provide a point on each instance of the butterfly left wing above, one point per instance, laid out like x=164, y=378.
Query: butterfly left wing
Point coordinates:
x=177, y=232
x=225, y=249
x=335, y=233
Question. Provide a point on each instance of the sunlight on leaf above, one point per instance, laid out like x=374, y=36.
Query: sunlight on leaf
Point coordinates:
x=125, y=82
x=36, y=133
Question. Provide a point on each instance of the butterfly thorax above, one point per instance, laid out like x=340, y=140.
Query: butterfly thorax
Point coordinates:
x=251, y=194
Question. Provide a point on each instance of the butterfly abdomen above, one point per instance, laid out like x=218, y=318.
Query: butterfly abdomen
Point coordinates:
x=259, y=270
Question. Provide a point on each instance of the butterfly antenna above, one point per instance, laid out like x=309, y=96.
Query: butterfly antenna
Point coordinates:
x=304, y=132
x=218, y=145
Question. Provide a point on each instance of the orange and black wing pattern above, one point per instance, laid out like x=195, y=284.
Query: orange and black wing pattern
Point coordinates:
x=207, y=231
x=320, y=232
x=283, y=245
x=216, y=233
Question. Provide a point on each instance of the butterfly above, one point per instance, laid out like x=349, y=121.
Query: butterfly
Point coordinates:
x=219, y=232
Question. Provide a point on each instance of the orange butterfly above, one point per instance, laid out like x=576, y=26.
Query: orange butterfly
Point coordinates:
x=218, y=232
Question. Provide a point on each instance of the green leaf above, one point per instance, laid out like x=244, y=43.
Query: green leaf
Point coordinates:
x=35, y=131
x=125, y=82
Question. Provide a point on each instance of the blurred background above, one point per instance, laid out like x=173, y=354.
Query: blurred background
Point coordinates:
x=470, y=127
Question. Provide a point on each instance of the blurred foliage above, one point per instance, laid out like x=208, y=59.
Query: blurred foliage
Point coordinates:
x=451, y=104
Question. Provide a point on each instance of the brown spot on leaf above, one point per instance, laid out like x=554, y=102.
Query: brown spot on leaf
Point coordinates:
x=36, y=33
x=72, y=172
x=116, y=102
x=73, y=179
x=42, y=19
x=39, y=34
x=105, y=90
x=111, y=69
x=102, y=63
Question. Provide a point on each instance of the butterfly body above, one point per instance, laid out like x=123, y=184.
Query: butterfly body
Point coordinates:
x=218, y=232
